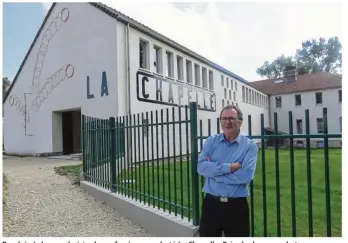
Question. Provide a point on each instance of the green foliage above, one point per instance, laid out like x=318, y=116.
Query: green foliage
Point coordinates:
x=314, y=56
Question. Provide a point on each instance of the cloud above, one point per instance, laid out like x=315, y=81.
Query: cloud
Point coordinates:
x=237, y=36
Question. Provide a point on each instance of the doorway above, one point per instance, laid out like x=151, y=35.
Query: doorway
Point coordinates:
x=71, y=131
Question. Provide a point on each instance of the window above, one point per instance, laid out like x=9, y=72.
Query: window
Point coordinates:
x=253, y=97
x=230, y=94
x=144, y=54
x=204, y=78
x=180, y=67
x=157, y=55
x=222, y=80
x=223, y=103
x=211, y=80
x=235, y=86
x=297, y=100
x=340, y=124
x=197, y=75
x=225, y=93
x=299, y=126
x=188, y=71
x=231, y=84
x=319, y=98
x=340, y=96
x=227, y=84
x=237, y=104
x=243, y=93
x=234, y=96
x=278, y=100
x=249, y=95
x=246, y=95
x=170, y=64
x=320, y=125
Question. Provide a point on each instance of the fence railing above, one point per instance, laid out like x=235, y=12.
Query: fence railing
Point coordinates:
x=152, y=158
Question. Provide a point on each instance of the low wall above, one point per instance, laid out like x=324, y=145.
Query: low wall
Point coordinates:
x=157, y=222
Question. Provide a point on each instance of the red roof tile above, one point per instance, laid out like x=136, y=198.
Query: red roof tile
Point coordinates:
x=305, y=82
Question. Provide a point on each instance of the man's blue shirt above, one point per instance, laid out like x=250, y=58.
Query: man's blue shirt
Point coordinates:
x=220, y=181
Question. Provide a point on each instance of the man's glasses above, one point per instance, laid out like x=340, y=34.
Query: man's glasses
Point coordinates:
x=230, y=119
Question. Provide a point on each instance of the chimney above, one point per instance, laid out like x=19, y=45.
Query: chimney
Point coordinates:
x=290, y=74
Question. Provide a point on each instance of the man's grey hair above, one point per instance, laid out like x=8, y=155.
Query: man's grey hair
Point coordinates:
x=232, y=107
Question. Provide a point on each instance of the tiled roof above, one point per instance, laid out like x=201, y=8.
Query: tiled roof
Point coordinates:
x=305, y=82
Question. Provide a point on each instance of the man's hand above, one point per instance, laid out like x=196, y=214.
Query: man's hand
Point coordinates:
x=235, y=166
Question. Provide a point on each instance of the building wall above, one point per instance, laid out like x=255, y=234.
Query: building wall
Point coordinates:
x=330, y=100
x=138, y=106
x=71, y=47
x=82, y=56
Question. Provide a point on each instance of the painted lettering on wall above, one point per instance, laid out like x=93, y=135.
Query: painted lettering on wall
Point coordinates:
x=156, y=89
x=104, y=87
x=41, y=88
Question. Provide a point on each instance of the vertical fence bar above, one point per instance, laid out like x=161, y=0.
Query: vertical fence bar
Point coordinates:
x=143, y=158
x=132, y=164
x=277, y=174
x=201, y=147
x=252, y=221
x=163, y=181
x=327, y=175
x=94, y=152
x=187, y=160
x=292, y=176
x=135, y=158
x=263, y=163
x=157, y=162
x=218, y=125
x=181, y=175
x=174, y=161
x=309, y=175
x=104, y=147
x=83, y=142
x=148, y=159
x=152, y=162
x=118, y=154
x=194, y=161
x=168, y=162
x=124, y=173
x=141, y=167
x=126, y=157
x=112, y=146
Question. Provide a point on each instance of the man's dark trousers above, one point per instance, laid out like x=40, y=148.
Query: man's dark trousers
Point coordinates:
x=230, y=217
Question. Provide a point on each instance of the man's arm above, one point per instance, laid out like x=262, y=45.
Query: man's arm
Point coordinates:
x=207, y=168
x=246, y=173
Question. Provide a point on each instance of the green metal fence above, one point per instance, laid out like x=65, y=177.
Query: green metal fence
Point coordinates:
x=152, y=158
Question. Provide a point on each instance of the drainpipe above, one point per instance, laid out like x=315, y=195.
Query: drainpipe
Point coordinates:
x=128, y=89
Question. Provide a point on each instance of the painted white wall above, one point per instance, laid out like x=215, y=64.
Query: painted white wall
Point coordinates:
x=330, y=101
x=93, y=46
x=142, y=107
x=84, y=42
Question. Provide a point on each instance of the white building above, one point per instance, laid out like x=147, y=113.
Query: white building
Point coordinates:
x=90, y=59
x=301, y=92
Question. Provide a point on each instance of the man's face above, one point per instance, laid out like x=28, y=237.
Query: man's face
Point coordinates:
x=229, y=122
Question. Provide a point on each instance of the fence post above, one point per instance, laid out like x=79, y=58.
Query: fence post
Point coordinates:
x=83, y=138
x=194, y=161
x=112, y=151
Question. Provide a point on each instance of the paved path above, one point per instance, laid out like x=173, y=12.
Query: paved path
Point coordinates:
x=41, y=203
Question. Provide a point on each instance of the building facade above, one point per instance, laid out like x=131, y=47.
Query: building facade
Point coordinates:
x=90, y=59
x=311, y=92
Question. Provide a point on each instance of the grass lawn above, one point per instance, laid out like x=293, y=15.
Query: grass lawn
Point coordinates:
x=72, y=172
x=151, y=180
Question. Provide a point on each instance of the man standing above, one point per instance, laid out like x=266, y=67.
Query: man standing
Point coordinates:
x=228, y=162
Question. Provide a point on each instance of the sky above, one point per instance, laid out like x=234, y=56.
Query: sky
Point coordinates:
x=238, y=36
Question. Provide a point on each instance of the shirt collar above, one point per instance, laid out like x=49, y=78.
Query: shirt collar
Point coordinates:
x=237, y=139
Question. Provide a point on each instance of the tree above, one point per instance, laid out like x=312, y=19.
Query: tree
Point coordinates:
x=5, y=85
x=314, y=56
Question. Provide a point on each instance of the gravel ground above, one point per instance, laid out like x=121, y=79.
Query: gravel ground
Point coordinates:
x=41, y=203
